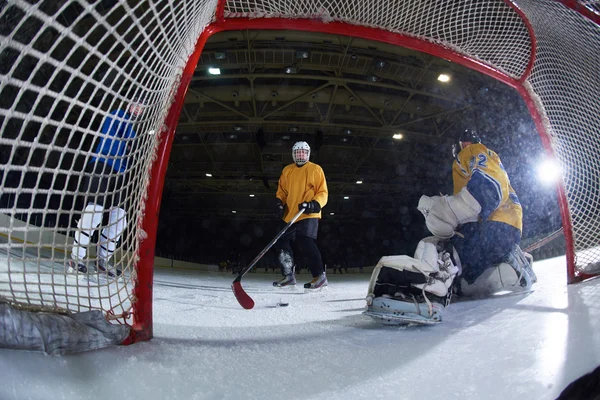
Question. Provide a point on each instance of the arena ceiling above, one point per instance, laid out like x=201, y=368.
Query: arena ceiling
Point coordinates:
x=346, y=97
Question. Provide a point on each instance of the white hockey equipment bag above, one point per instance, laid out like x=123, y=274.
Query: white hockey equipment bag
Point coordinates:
x=445, y=213
x=404, y=289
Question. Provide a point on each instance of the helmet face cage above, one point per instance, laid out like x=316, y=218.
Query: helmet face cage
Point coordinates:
x=456, y=148
x=137, y=107
x=465, y=136
x=301, y=153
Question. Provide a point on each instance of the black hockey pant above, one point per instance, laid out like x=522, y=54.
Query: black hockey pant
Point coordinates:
x=484, y=245
x=303, y=234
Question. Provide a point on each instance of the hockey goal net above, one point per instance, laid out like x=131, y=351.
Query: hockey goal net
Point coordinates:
x=65, y=66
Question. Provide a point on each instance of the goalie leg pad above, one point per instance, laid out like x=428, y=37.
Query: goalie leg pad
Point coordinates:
x=513, y=274
x=413, y=288
x=398, y=312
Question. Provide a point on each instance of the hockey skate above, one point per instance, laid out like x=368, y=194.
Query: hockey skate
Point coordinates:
x=522, y=263
x=105, y=268
x=405, y=290
x=76, y=267
x=317, y=282
x=515, y=274
x=287, y=280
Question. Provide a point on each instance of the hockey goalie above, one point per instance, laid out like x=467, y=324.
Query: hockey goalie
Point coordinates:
x=474, y=250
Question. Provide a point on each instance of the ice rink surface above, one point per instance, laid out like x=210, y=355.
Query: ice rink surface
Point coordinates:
x=322, y=347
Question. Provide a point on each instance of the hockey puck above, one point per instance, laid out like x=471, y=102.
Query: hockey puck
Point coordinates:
x=283, y=304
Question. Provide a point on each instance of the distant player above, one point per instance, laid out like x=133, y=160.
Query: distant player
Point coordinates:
x=103, y=186
x=302, y=185
x=476, y=231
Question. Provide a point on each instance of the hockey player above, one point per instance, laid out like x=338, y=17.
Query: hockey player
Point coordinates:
x=486, y=216
x=104, y=174
x=302, y=185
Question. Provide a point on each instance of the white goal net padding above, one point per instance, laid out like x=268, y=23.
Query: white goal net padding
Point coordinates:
x=65, y=66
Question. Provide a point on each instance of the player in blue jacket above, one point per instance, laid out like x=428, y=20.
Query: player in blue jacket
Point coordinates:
x=103, y=188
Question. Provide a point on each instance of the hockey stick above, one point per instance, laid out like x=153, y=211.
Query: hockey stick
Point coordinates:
x=239, y=292
x=544, y=241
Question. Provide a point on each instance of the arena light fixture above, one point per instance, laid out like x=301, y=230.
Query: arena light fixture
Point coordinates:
x=444, y=78
x=209, y=175
x=397, y=136
x=214, y=71
x=359, y=182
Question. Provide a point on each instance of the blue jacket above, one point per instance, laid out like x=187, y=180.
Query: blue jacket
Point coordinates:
x=112, y=148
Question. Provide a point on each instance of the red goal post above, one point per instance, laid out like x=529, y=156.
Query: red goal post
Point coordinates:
x=53, y=102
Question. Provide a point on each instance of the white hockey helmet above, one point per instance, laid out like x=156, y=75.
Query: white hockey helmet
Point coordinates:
x=301, y=153
x=137, y=106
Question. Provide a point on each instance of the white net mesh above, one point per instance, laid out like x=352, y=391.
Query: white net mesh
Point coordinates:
x=71, y=71
x=65, y=66
x=566, y=79
x=485, y=30
x=592, y=5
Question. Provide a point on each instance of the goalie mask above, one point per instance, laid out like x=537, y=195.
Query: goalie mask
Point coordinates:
x=465, y=138
x=301, y=153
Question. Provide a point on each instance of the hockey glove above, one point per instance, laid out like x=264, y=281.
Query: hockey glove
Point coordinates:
x=447, y=212
x=279, y=209
x=311, y=207
x=425, y=204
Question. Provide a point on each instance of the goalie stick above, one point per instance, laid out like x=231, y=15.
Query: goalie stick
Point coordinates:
x=239, y=292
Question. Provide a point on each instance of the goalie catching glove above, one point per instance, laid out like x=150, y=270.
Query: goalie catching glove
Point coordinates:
x=444, y=213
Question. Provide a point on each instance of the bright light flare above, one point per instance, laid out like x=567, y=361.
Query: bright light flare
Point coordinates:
x=549, y=172
x=214, y=71
x=444, y=78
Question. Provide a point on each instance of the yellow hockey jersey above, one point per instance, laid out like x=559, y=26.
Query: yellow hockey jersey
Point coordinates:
x=300, y=184
x=481, y=171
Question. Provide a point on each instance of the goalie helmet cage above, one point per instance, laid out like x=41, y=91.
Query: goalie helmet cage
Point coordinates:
x=65, y=65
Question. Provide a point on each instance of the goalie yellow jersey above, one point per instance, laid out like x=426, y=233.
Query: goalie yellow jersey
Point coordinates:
x=300, y=184
x=481, y=171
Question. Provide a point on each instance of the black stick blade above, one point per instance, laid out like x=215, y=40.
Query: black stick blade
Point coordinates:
x=241, y=296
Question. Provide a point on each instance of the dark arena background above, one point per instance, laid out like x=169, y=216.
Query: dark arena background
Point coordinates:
x=211, y=95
